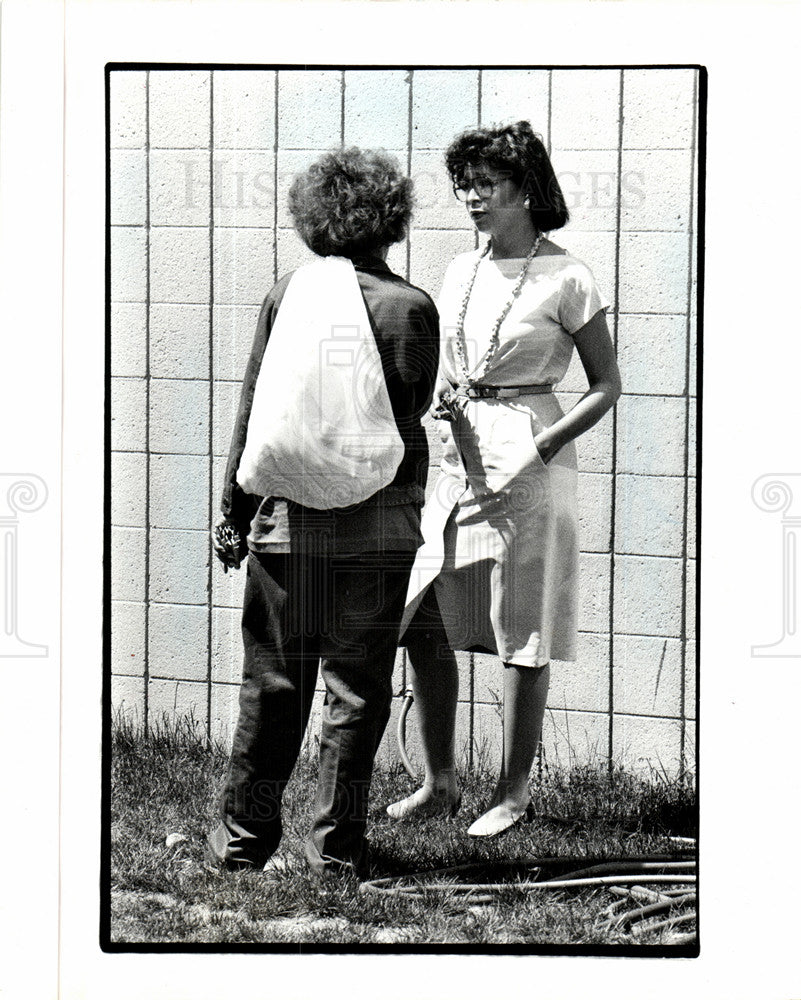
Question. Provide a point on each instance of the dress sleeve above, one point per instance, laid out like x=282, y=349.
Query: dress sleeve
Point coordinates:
x=579, y=298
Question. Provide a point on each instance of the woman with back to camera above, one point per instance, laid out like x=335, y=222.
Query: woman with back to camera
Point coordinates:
x=323, y=492
x=498, y=571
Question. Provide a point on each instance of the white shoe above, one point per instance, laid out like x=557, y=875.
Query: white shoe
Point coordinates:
x=424, y=803
x=498, y=819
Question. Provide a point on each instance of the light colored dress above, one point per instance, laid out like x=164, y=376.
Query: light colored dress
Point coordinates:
x=501, y=527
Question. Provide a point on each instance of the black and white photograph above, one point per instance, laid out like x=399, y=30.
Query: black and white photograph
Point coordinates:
x=402, y=499
x=399, y=568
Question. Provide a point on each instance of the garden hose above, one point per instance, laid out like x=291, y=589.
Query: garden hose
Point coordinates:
x=408, y=699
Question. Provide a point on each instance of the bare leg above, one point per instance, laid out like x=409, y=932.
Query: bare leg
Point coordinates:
x=525, y=693
x=435, y=681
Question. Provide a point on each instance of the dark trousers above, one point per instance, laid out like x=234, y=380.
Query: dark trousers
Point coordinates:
x=341, y=613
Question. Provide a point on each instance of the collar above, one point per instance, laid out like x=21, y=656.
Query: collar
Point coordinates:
x=366, y=262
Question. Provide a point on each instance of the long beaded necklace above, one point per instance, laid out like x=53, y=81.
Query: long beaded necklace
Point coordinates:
x=460, y=341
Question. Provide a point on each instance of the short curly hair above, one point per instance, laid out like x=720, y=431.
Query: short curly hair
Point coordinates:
x=351, y=202
x=519, y=153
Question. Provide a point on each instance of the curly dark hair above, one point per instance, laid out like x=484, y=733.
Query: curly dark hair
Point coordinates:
x=518, y=152
x=351, y=202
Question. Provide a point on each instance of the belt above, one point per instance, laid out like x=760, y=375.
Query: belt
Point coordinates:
x=499, y=391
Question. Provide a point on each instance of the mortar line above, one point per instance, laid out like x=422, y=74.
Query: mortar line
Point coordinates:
x=209, y=572
x=688, y=362
x=275, y=175
x=342, y=108
x=613, y=482
x=148, y=460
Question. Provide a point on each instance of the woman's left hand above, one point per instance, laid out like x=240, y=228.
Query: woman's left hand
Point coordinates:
x=544, y=447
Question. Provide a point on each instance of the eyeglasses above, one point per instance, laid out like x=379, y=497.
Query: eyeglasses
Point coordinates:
x=483, y=186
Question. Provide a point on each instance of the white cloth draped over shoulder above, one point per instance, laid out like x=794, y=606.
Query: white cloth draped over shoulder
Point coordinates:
x=321, y=430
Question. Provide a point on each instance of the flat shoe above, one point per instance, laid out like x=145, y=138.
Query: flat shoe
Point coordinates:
x=496, y=821
x=437, y=805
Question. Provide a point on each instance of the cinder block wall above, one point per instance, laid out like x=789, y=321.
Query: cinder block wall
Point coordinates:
x=201, y=162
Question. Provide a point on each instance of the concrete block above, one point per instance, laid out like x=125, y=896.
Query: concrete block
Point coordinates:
x=511, y=95
x=226, y=404
x=244, y=188
x=658, y=108
x=653, y=273
x=575, y=380
x=573, y=738
x=597, y=251
x=244, y=109
x=179, y=341
x=594, y=498
x=690, y=598
x=377, y=108
x=583, y=684
x=127, y=109
x=128, y=193
x=444, y=103
x=396, y=259
x=226, y=645
x=227, y=589
x=692, y=441
x=291, y=252
x=178, y=700
x=179, y=491
x=179, y=566
x=588, y=179
x=594, y=448
x=647, y=747
x=179, y=416
x=585, y=108
x=128, y=414
x=233, y=330
x=594, y=586
x=179, y=641
x=487, y=738
x=180, y=109
x=309, y=109
x=689, y=755
x=128, y=478
x=656, y=195
x=436, y=207
x=487, y=680
x=224, y=712
x=650, y=435
x=128, y=564
x=128, y=264
x=652, y=354
x=128, y=638
x=648, y=596
x=243, y=265
x=129, y=338
x=128, y=698
x=180, y=187
x=431, y=252
x=649, y=515
x=179, y=265
x=647, y=675
x=690, y=679
x=691, y=516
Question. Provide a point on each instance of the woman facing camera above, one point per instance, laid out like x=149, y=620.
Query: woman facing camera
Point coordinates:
x=499, y=568
x=323, y=493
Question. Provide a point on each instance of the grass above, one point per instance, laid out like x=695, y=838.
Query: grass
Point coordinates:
x=166, y=781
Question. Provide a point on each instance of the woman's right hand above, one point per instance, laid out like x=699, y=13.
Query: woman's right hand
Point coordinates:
x=228, y=544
